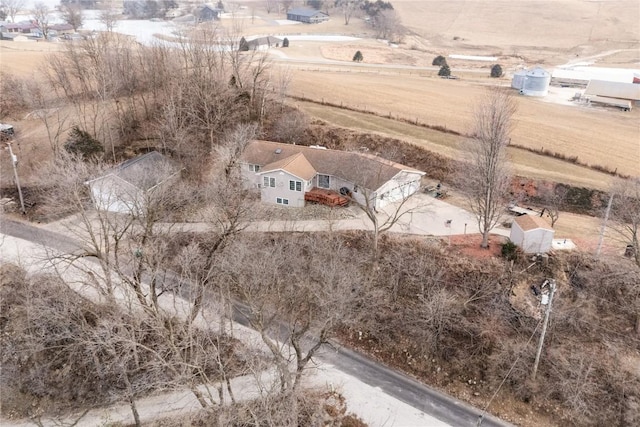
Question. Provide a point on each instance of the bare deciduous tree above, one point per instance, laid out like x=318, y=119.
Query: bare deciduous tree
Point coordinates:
x=348, y=8
x=12, y=7
x=553, y=199
x=72, y=15
x=270, y=5
x=383, y=206
x=286, y=5
x=625, y=213
x=486, y=176
x=109, y=18
x=388, y=26
x=41, y=18
x=49, y=111
x=294, y=306
x=291, y=127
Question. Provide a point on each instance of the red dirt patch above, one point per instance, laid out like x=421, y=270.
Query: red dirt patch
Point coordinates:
x=469, y=245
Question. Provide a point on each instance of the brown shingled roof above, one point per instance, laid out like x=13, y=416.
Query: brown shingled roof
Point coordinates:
x=296, y=164
x=365, y=170
x=528, y=222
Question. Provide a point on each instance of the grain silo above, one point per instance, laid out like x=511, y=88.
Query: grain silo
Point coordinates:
x=536, y=82
x=517, y=82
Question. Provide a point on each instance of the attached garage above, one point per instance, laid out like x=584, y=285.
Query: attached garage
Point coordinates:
x=398, y=188
x=532, y=233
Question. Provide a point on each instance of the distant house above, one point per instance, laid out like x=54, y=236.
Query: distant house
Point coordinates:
x=16, y=37
x=23, y=27
x=127, y=187
x=308, y=16
x=60, y=29
x=264, y=43
x=532, y=233
x=207, y=13
x=285, y=172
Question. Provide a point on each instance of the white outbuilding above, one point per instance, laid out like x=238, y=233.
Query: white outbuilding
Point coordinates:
x=131, y=185
x=532, y=234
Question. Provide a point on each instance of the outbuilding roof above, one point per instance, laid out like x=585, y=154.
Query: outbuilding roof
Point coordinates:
x=528, y=222
x=630, y=91
x=305, y=12
x=364, y=169
x=143, y=172
x=267, y=40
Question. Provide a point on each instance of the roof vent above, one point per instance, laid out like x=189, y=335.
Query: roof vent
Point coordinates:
x=318, y=147
x=278, y=150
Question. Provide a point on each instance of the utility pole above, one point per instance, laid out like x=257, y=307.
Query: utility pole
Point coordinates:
x=547, y=314
x=14, y=162
x=604, y=225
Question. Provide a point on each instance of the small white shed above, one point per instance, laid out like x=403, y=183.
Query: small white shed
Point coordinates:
x=532, y=233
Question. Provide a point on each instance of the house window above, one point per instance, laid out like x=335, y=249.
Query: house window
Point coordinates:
x=295, y=185
x=323, y=181
x=268, y=182
x=281, y=201
x=254, y=168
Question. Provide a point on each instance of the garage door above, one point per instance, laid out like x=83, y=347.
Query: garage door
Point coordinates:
x=398, y=193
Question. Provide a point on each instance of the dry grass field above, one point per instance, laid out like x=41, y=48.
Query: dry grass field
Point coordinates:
x=606, y=137
x=24, y=57
x=524, y=27
x=524, y=163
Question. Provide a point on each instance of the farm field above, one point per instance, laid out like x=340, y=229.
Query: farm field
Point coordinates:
x=524, y=163
x=605, y=137
x=542, y=29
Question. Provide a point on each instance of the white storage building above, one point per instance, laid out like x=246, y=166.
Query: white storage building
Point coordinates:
x=532, y=233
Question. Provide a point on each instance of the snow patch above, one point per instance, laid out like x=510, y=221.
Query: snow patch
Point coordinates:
x=474, y=57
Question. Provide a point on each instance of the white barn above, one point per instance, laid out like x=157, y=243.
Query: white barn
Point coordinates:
x=532, y=234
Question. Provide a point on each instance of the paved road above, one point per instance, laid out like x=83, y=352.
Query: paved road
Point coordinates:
x=399, y=386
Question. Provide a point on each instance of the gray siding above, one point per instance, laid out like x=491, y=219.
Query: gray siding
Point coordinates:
x=282, y=190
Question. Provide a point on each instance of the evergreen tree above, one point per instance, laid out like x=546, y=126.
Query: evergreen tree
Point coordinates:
x=445, y=71
x=81, y=142
x=496, y=71
x=439, y=61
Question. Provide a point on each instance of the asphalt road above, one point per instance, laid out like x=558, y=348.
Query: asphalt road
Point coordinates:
x=393, y=383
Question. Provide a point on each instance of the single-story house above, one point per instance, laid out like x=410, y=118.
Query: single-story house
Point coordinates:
x=264, y=43
x=207, y=13
x=60, y=29
x=127, y=187
x=308, y=16
x=285, y=172
x=16, y=37
x=532, y=233
x=23, y=27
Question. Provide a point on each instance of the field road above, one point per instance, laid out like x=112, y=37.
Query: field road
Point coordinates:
x=279, y=56
x=433, y=407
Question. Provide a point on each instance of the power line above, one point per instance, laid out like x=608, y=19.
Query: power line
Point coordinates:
x=484, y=411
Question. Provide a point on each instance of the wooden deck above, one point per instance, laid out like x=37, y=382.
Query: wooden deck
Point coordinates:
x=325, y=197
